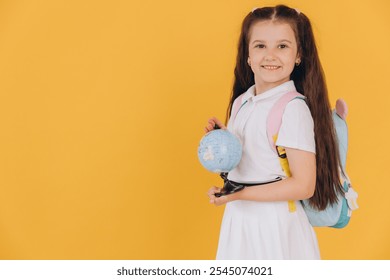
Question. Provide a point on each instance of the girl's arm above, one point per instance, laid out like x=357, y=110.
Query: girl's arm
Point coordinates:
x=300, y=185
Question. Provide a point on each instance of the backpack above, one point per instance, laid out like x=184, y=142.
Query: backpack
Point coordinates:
x=338, y=214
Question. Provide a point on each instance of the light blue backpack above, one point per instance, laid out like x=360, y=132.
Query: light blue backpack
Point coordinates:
x=337, y=215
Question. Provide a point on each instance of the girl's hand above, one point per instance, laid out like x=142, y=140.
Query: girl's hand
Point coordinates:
x=211, y=124
x=217, y=201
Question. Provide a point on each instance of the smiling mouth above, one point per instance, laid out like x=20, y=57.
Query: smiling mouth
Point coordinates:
x=270, y=67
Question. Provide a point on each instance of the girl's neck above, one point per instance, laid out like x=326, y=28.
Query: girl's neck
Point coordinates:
x=261, y=87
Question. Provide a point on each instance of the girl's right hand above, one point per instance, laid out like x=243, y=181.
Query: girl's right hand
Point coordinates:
x=218, y=201
x=211, y=124
x=211, y=193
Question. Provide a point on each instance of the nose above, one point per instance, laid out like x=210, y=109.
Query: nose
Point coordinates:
x=270, y=55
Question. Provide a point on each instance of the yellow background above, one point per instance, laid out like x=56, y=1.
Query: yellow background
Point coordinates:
x=103, y=104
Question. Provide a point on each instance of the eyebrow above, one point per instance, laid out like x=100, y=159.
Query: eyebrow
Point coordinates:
x=279, y=41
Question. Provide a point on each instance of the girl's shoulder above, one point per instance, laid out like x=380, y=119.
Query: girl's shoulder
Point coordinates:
x=297, y=108
x=297, y=128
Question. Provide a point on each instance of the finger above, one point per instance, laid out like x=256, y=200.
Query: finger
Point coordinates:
x=213, y=190
x=209, y=128
x=218, y=201
x=211, y=124
x=218, y=123
x=211, y=194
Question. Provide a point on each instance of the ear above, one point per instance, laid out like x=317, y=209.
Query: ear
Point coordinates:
x=298, y=60
x=249, y=61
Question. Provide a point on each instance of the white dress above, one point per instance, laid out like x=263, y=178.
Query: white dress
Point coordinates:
x=267, y=230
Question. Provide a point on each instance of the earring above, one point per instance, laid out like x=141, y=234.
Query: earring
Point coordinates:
x=297, y=62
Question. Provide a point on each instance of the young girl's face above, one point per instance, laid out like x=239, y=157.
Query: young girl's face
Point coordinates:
x=272, y=53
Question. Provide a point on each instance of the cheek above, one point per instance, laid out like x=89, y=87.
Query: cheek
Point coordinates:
x=255, y=57
x=289, y=66
x=290, y=59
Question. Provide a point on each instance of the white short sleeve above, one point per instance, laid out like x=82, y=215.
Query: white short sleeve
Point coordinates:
x=297, y=129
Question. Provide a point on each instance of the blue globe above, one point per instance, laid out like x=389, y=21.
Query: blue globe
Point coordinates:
x=219, y=151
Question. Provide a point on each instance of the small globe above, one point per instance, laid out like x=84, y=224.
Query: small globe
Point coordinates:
x=219, y=151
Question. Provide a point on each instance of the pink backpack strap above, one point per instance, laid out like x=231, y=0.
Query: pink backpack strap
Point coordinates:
x=237, y=106
x=274, y=119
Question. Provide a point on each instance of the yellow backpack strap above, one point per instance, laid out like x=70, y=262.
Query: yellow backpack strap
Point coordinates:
x=274, y=121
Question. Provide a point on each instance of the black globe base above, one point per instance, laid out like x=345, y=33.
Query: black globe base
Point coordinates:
x=229, y=187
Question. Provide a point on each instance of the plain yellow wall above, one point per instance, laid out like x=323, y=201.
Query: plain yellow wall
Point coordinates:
x=103, y=104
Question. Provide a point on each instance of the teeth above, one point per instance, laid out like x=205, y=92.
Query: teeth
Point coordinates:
x=270, y=67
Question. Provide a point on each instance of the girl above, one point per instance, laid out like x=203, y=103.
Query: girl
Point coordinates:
x=276, y=55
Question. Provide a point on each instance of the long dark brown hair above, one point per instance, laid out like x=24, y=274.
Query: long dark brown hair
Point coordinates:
x=309, y=80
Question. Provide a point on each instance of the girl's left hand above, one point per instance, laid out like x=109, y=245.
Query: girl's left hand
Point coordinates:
x=217, y=201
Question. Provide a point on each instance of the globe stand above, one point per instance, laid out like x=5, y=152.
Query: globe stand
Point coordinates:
x=229, y=187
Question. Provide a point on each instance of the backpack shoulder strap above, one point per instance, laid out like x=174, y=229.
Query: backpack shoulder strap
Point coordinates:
x=274, y=119
x=339, y=115
x=237, y=106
